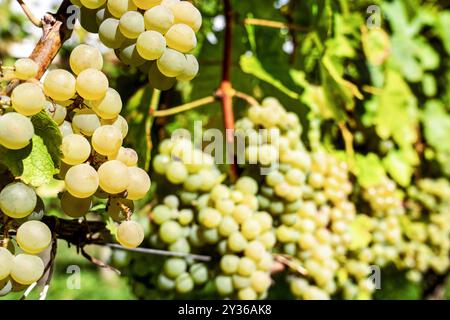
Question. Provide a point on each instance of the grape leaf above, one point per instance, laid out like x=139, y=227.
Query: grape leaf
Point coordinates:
x=251, y=65
x=48, y=130
x=360, y=232
x=398, y=166
x=369, y=170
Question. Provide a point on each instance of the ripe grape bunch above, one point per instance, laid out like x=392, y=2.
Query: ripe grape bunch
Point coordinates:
x=95, y=166
x=157, y=36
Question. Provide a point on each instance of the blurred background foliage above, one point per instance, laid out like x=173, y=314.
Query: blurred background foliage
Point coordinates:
x=380, y=69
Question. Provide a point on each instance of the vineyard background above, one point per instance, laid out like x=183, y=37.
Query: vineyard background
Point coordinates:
x=379, y=95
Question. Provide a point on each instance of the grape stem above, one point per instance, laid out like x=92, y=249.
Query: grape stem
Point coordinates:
x=290, y=263
x=154, y=105
x=275, y=24
x=185, y=107
x=33, y=19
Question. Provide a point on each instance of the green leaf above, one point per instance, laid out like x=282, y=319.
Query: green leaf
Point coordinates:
x=360, y=232
x=48, y=130
x=251, y=65
x=369, y=170
x=38, y=167
x=111, y=226
x=398, y=166
x=396, y=115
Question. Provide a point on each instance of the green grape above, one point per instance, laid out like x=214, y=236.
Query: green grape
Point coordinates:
x=113, y=177
x=224, y=285
x=240, y=282
x=268, y=239
x=161, y=214
x=25, y=69
x=185, y=217
x=241, y=213
x=57, y=112
x=160, y=163
x=151, y=45
x=176, y=172
x=210, y=236
x=6, y=262
x=139, y=183
x=226, y=206
x=172, y=202
x=85, y=57
x=237, y=242
x=85, y=122
x=59, y=85
x=119, y=122
x=146, y=4
x=33, y=237
x=82, y=181
x=228, y=226
x=158, y=80
x=181, y=37
x=165, y=283
x=92, y=84
x=184, y=283
x=246, y=294
x=229, y=264
x=266, y=262
x=169, y=3
x=130, y=56
x=171, y=63
x=107, y=140
x=170, y=231
x=27, y=269
x=132, y=24
x=126, y=155
x=109, y=33
x=77, y=3
x=75, y=149
x=16, y=131
x=185, y=12
x=120, y=7
x=17, y=200
x=28, y=99
x=254, y=250
x=109, y=106
x=181, y=245
x=247, y=185
x=115, y=208
x=88, y=19
x=190, y=70
x=265, y=220
x=210, y=218
x=174, y=267
x=92, y=4
x=199, y=273
x=75, y=207
x=246, y=267
x=159, y=18
x=130, y=234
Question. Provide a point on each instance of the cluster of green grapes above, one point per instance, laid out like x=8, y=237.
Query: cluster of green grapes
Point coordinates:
x=155, y=35
x=94, y=162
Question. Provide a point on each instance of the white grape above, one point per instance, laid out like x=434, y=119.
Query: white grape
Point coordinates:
x=109, y=33
x=191, y=69
x=109, y=106
x=139, y=183
x=57, y=112
x=6, y=262
x=92, y=4
x=75, y=207
x=75, y=148
x=107, y=140
x=25, y=69
x=119, y=7
x=59, y=85
x=185, y=12
x=181, y=37
x=119, y=122
x=146, y=4
x=151, y=45
x=17, y=200
x=158, y=18
x=33, y=237
x=132, y=24
x=172, y=63
x=113, y=176
x=27, y=269
x=85, y=122
x=85, y=57
x=28, y=99
x=82, y=181
x=130, y=234
x=126, y=155
x=92, y=84
x=65, y=128
x=16, y=131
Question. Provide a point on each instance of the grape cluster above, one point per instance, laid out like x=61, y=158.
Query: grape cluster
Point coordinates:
x=94, y=166
x=155, y=35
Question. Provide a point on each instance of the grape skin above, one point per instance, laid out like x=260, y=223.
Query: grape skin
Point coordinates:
x=109, y=33
x=85, y=122
x=107, y=140
x=130, y=234
x=57, y=112
x=65, y=128
x=93, y=4
x=181, y=38
x=191, y=69
x=92, y=84
x=126, y=155
x=158, y=80
x=109, y=106
x=33, y=237
x=171, y=63
x=151, y=45
x=82, y=181
x=28, y=99
x=185, y=12
x=85, y=57
x=75, y=207
x=25, y=69
x=129, y=55
x=27, y=269
x=75, y=149
x=59, y=85
x=146, y=4
x=6, y=261
x=113, y=176
x=119, y=122
x=139, y=183
x=131, y=24
x=16, y=131
x=17, y=200
x=118, y=7
x=158, y=18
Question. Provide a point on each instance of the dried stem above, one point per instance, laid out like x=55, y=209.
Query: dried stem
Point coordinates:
x=250, y=100
x=290, y=263
x=37, y=22
x=184, y=107
x=275, y=24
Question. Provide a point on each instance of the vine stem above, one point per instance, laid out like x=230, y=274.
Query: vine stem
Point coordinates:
x=34, y=20
x=225, y=91
x=184, y=107
x=275, y=24
x=153, y=107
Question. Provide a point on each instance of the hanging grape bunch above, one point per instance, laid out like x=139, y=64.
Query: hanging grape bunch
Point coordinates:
x=94, y=162
x=153, y=35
